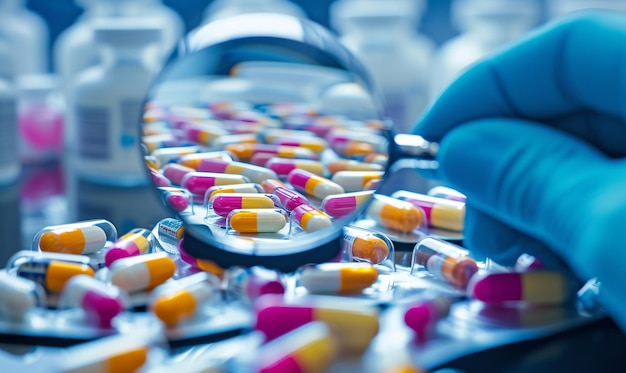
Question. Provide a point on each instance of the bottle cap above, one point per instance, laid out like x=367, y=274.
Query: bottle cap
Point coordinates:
x=127, y=32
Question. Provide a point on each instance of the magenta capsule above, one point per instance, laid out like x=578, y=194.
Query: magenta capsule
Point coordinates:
x=422, y=316
x=177, y=198
x=533, y=287
x=290, y=199
x=256, y=174
x=312, y=184
x=283, y=166
x=310, y=219
x=527, y=262
x=249, y=188
x=271, y=184
x=159, y=179
x=339, y=205
x=192, y=160
x=199, y=182
x=248, y=284
x=223, y=203
x=137, y=241
x=176, y=172
x=100, y=301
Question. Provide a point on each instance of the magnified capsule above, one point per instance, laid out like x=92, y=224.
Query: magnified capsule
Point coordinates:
x=345, y=204
x=270, y=185
x=534, y=287
x=339, y=137
x=167, y=155
x=365, y=245
x=246, y=151
x=142, y=272
x=77, y=238
x=439, y=212
x=338, y=278
x=353, y=181
x=309, y=218
x=312, y=184
x=223, y=203
x=310, y=348
x=192, y=160
x=422, y=316
x=352, y=165
x=51, y=274
x=101, y=302
x=249, y=188
x=283, y=166
x=177, y=198
x=290, y=199
x=447, y=193
x=352, y=325
x=445, y=260
x=159, y=179
x=153, y=142
x=175, y=172
x=180, y=300
x=137, y=241
x=199, y=182
x=19, y=295
x=249, y=284
x=256, y=220
x=203, y=133
x=394, y=214
x=256, y=174
x=315, y=144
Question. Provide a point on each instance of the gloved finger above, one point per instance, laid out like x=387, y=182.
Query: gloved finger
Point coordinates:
x=604, y=132
x=554, y=72
x=487, y=237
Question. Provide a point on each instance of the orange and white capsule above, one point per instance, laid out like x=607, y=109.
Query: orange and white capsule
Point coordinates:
x=54, y=270
x=256, y=174
x=355, y=181
x=246, y=151
x=351, y=165
x=192, y=160
x=439, y=212
x=315, y=144
x=256, y=220
x=248, y=188
x=394, y=214
x=77, y=238
x=180, y=300
x=313, y=185
x=365, y=245
x=309, y=218
x=142, y=272
x=338, y=278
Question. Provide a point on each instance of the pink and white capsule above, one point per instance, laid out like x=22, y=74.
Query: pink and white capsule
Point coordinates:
x=290, y=199
x=310, y=219
x=199, y=182
x=339, y=205
x=312, y=184
x=283, y=166
x=256, y=174
x=223, y=203
x=249, y=188
x=421, y=316
x=136, y=242
x=100, y=301
x=175, y=172
x=354, y=181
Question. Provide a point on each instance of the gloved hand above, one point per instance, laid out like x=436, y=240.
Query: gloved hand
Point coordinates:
x=535, y=136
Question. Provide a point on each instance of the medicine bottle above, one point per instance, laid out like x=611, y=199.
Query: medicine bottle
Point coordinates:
x=382, y=34
x=485, y=25
x=226, y=8
x=9, y=163
x=27, y=34
x=559, y=8
x=108, y=101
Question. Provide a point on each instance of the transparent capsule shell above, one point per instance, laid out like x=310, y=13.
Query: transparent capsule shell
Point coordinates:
x=85, y=237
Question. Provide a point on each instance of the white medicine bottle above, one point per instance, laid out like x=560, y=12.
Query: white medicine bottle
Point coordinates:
x=27, y=34
x=383, y=36
x=485, y=25
x=108, y=102
x=226, y=8
x=9, y=162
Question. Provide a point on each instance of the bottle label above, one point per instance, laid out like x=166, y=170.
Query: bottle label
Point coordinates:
x=8, y=132
x=93, y=128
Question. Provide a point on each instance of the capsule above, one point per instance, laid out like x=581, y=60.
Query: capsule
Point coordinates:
x=101, y=302
x=152, y=162
x=445, y=260
x=167, y=155
x=338, y=278
x=256, y=174
x=260, y=159
x=256, y=220
x=422, y=316
x=201, y=264
x=283, y=166
x=19, y=295
x=309, y=218
x=170, y=230
x=353, y=181
x=315, y=144
x=447, y=193
x=352, y=325
x=352, y=165
x=176, y=172
x=372, y=184
x=165, y=140
x=192, y=160
x=365, y=245
x=222, y=204
x=177, y=198
x=51, y=273
x=312, y=184
x=199, y=182
x=341, y=138
x=270, y=135
x=379, y=159
x=77, y=238
x=339, y=205
x=534, y=287
x=142, y=272
x=248, y=284
x=271, y=184
x=249, y=188
x=310, y=348
x=290, y=199
x=180, y=300
x=439, y=212
x=137, y=241
x=243, y=138
x=246, y=151
x=203, y=133
x=394, y=214
x=527, y=262
x=159, y=179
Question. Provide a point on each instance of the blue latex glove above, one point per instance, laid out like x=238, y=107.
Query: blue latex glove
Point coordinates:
x=536, y=138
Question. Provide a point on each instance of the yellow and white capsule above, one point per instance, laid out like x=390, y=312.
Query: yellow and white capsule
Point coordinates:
x=338, y=278
x=235, y=188
x=166, y=155
x=309, y=218
x=256, y=220
x=52, y=271
x=313, y=185
x=355, y=181
x=142, y=272
x=77, y=238
x=180, y=300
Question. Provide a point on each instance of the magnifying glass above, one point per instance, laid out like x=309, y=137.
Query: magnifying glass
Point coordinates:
x=247, y=133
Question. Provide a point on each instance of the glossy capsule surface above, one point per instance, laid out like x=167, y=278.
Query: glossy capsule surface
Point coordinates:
x=177, y=198
x=19, y=295
x=249, y=284
x=445, y=260
x=283, y=166
x=310, y=219
x=533, y=287
x=246, y=151
x=338, y=278
x=339, y=205
x=224, y=203
x=290, y=199
x=76, y=238
x=135, y=242
x=255, y=174
x=237, y=188
x=101, y=302
x=355, y=181
x=256, y=220
x=365, y=245
x=199, y=182
x=394, y=214
x=192, y=160
x=421, y=316
x=175, y=172
x=439, y=212
x=142, y=272
x=352, y=165
x=313, y=185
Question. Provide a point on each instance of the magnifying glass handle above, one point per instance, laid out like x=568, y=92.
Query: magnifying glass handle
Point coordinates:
x=416, y=150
